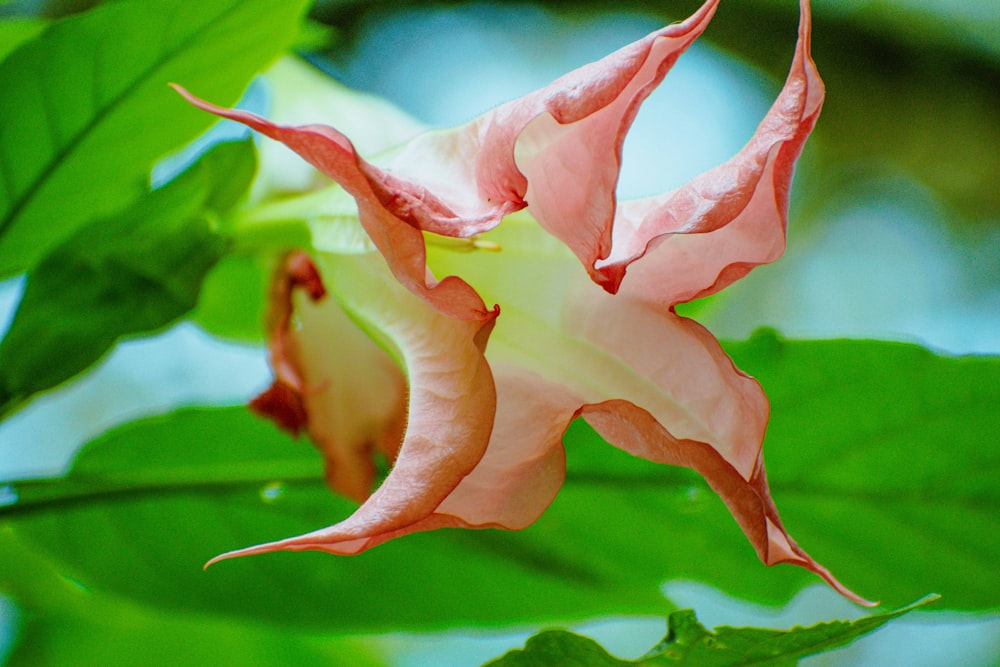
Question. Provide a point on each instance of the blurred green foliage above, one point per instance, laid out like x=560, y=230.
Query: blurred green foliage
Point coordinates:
x=131, y=273
x=15, y=31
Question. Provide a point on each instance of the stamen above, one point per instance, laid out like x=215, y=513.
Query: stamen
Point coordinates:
x=483, y=244
x=461, y=244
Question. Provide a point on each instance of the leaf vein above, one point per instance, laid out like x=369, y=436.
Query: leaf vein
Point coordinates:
x=102, y=112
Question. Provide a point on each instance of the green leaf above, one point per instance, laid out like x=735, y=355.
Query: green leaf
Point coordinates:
x=89, y=97
x=230, y=168
x=233, y=301
x=688, y=643
x=75, y=626
x=133, y=273
x=14, y=32
x=170, y=492
x=856, y=463
x=123, y=634
x=882, y=459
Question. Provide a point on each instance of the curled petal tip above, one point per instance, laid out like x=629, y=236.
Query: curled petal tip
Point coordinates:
x=225, y=556
x=249, y=551
x=181, y=90
x=847, y=592
x=857, y=599
x=803, y=560
x=213, y=561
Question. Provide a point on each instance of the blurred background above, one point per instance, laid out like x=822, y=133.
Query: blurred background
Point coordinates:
x=894, y=231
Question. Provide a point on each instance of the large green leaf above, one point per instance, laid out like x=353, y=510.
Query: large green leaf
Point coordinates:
x=171, y=492
x=14, y=32
x=233, y=300
x=76, y=627
x=689, y=644
x=856, y=464
x=109, y=635
x=86, y=109
x=131, y=273
x=882, y=458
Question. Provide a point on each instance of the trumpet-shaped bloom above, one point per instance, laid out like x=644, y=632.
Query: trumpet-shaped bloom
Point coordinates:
x=385, y=342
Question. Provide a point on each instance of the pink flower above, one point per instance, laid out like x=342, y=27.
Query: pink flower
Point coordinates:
x=389, y=341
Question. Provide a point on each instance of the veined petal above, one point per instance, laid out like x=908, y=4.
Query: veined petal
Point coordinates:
x=638, y=432
x=452, y=402
x=565, y=328
x=557, y=149
x=570, y=150
x=651, y=382
x=525, y=463
x=517, y=478
x=712, y=231
x=299, y=94
x=387, y=222
x=668, y=365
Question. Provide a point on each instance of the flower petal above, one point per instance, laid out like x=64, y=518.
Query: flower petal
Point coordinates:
x=317, y=383
x=565, y=328
x=716, y=228
x=570, y=149
x=558, y=149
x=300, y=93
x=525, y=463
x=636, y=431
x=651, y=382
x=452, y=402
x=388, y=222
x=515, y=481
